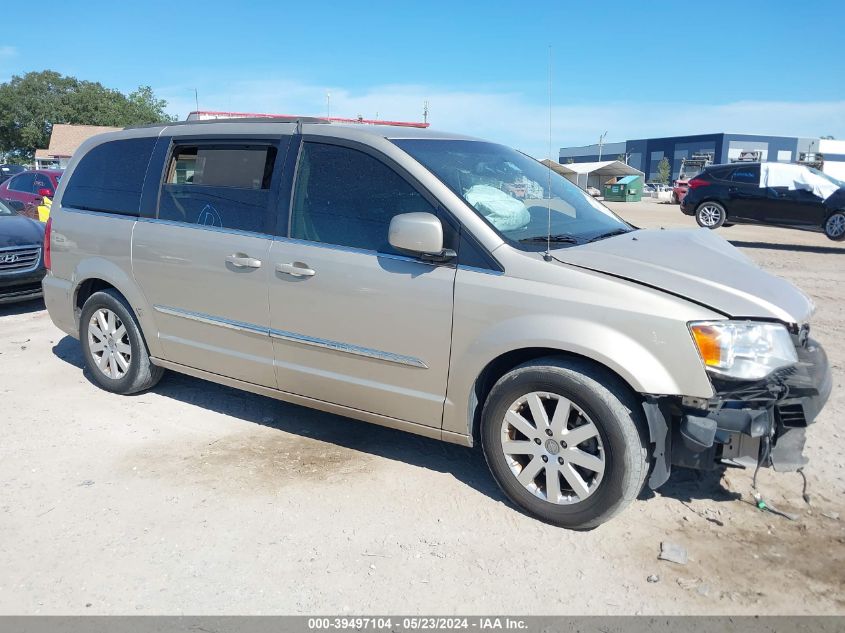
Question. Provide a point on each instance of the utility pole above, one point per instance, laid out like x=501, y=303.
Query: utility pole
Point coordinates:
x=197, y=99
x=425, y=111
x=328, y=105
x=601, y=142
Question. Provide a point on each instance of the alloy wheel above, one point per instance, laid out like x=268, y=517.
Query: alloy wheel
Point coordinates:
x=710, y=215
x=835, y=225
x=108, y=343
x=553, y=448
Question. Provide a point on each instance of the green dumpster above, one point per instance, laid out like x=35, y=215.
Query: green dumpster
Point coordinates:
x=624, y=189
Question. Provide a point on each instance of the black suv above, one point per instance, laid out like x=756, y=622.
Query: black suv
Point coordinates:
x=723, y=195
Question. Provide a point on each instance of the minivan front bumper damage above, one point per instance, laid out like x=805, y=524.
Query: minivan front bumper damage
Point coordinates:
x=746, y=423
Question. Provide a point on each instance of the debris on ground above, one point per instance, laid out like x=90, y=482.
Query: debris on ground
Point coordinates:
x=708, y=514
x=653, y=578
x=831, y=515
x=767, y=507
x=673, y=553
x=87, y=482
x=688, y=583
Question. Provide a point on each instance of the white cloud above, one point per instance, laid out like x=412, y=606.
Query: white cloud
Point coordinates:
x=514, y=118
x=8, y=52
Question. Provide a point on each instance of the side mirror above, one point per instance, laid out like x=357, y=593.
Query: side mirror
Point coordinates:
x=420, y=233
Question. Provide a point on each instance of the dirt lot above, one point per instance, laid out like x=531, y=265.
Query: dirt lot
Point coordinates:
x=196, y=498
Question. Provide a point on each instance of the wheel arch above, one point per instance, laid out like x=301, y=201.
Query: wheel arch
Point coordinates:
x=507, y=361
x=98, y=274
x=718, y=201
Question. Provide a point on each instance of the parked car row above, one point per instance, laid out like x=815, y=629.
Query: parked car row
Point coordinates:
x=775, y=194
x=21, y=261
x=31, y=191
x=7, y=171
x=31, y=187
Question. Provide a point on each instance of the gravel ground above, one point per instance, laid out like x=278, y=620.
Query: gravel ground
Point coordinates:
x=199, y=499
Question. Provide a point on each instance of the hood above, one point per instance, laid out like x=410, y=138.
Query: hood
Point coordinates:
x=18, y=230
x=697, y=265
x=837, y=200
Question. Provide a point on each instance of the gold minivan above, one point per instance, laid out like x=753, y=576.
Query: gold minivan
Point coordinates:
x=435, y=283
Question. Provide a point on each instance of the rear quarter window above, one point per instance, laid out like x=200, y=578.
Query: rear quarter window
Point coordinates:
x=110, y=177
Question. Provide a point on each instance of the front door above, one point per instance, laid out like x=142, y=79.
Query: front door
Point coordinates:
x=794, y=207
x=203, y=262
x=354, y=322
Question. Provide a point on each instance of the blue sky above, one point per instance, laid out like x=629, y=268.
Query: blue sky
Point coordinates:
x=635, y=69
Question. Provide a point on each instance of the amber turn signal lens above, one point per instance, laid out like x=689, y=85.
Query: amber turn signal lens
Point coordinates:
x=707, y=339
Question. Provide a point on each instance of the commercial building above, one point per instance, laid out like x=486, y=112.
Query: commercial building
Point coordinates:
x=646, y=154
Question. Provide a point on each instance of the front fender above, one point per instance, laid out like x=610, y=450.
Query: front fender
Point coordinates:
x=668, y=366
x=637, y=332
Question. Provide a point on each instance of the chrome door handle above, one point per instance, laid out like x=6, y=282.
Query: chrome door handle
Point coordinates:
x=297, y=269
x=240, y=260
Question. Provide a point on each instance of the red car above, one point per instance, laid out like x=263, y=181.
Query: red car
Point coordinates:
x=31, y=187
x=679, y=190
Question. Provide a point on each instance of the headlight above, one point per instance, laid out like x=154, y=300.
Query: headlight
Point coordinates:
x=743, y=350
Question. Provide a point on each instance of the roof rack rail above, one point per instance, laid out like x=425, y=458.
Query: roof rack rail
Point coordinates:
x=258, y=119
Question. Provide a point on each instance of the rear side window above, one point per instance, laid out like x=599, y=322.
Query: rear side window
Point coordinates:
x=110, y=177
x=749, y=175
x=226, y=186
x=42, y=181
x=22, y=183
x=721, y=173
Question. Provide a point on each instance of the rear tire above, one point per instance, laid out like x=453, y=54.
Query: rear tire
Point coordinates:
x=113, y=347
x=576, y=469
x=710, y=215
x=834, y=226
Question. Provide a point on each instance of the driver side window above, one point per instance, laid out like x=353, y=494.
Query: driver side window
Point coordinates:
x=346, y=197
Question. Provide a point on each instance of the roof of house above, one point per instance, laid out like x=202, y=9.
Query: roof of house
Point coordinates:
x=66, y=138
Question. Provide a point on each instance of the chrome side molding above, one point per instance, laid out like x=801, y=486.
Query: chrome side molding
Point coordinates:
x=347, y=348
x=240, y=326
x=293, y=337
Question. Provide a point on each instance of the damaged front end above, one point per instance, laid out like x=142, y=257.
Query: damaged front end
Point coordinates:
x=747, y=423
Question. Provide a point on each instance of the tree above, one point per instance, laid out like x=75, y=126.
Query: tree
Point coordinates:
x=664, y=171
x=31, y=104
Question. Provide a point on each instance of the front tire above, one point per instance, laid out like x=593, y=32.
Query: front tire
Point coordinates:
x=565, y=441
x=834, y=226
x=710, y=215
x=113, y=347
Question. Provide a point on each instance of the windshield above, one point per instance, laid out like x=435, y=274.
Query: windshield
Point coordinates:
x=818, y=172
x=6, y=210
x=511, y=192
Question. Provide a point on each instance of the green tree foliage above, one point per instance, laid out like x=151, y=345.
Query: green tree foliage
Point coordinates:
x=664, y=171
x=31, y=104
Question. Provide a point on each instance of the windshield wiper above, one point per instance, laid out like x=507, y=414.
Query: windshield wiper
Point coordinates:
x=612, y=233
x=563, y=237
